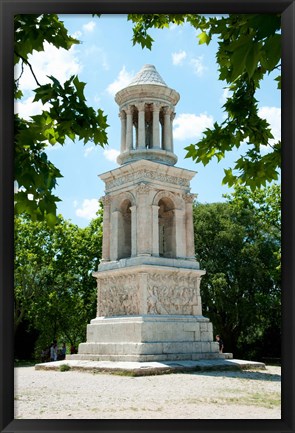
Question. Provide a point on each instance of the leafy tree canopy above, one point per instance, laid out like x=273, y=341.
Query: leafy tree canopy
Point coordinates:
x=238, y=243
x=68, y=117
x=249, y=47
x=54, y=290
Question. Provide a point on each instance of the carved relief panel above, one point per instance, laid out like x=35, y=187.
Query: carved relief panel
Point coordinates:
x=118, y=296
x=173, y=294
x=161, y=294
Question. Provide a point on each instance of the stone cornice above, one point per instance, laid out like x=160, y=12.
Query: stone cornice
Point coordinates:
x=147, y=171
x=147, y=92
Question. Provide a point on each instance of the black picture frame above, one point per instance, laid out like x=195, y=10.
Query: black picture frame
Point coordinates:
x=8, y=8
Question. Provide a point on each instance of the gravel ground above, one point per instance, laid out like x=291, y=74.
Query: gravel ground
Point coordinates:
x=208, y=395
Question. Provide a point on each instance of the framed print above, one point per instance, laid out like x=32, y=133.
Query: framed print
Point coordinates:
x=134, y=234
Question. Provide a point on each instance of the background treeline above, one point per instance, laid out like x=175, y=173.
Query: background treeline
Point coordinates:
x=237, y=243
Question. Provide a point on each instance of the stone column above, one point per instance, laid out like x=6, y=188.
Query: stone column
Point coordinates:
x=156, y=126
x=171, y=130
x=133, y=231
x=115, y=235
x=122, y=116
x=136, y=134
x=155, y=230
x=141, y=125
x=180, y=235
x=106, y=228
x=167, y=129
x=162, y=133
x=129, y=131
x=144, y=231
x=190, y=241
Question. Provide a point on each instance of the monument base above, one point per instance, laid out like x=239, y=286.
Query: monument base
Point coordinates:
x=149, y=338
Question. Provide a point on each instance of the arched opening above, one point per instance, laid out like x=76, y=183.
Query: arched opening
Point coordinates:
x=167, y=241
x=124, y=230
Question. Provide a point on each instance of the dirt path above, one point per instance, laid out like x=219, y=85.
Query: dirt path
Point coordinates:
x=213, y=395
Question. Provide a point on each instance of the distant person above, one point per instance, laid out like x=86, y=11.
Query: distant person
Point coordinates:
x=53, y=351
x=73, y=350
x=220, y=342
x=63, y=351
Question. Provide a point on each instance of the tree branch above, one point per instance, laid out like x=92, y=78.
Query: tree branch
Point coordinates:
x=30, y=66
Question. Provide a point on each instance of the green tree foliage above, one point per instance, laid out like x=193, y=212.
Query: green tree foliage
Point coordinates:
x=68, y=117
x=238, y=244
x=54, y=287
x=249, y=48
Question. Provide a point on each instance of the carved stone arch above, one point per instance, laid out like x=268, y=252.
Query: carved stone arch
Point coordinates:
x=167, y=204
x=120, y=199
x=177, y=201
x=122, y=214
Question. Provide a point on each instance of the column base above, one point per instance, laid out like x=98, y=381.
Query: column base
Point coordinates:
x=149, y=338
x=154, y=154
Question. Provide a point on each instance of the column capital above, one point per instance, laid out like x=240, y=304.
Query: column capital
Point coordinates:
x=129, y=109
x=142, y=188
x=122, y=114
x=140, y=106
x=156, y=106
x=189, y=198
x=168, y=110
x=106, y=200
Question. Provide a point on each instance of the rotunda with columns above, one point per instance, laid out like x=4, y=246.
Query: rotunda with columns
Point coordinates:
x=148, y=281
x=147, y=112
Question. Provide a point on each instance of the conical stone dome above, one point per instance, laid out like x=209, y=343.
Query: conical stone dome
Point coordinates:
x=147, y=112
x=148, y=75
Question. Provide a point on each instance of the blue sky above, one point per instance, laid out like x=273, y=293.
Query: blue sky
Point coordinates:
x=107, y=61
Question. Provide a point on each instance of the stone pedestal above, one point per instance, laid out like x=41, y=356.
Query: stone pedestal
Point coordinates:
x=149, y=312
x=149, y=338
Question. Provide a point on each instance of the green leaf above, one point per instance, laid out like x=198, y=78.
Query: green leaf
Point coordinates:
x=252, y=59
x=80, y=88
x=278, y=79
x=271, y=52
x=204, y=38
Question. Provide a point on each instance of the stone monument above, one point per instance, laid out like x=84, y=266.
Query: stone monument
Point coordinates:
x=148, y=282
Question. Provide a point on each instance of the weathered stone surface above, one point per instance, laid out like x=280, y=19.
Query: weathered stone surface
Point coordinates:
x=148, y=282
x=149, y=290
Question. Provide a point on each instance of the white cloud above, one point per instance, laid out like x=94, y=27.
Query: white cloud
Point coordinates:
x=97, y=98
x=88, y=209
x=177, y=58
x=189, y=126
x=198, y=65
x=52, y=61
x=226, y=94
x=173, y=26
x=28, y=108
x=111, y=154
x=120, y=82
x=99, y=55
x=88, y=150
x=89, y=27
x=273, y=116
x=77, y=34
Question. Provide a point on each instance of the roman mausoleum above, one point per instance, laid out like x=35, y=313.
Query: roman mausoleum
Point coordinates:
x=148, y=281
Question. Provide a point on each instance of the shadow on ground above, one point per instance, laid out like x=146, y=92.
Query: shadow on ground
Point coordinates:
x=248, y=375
